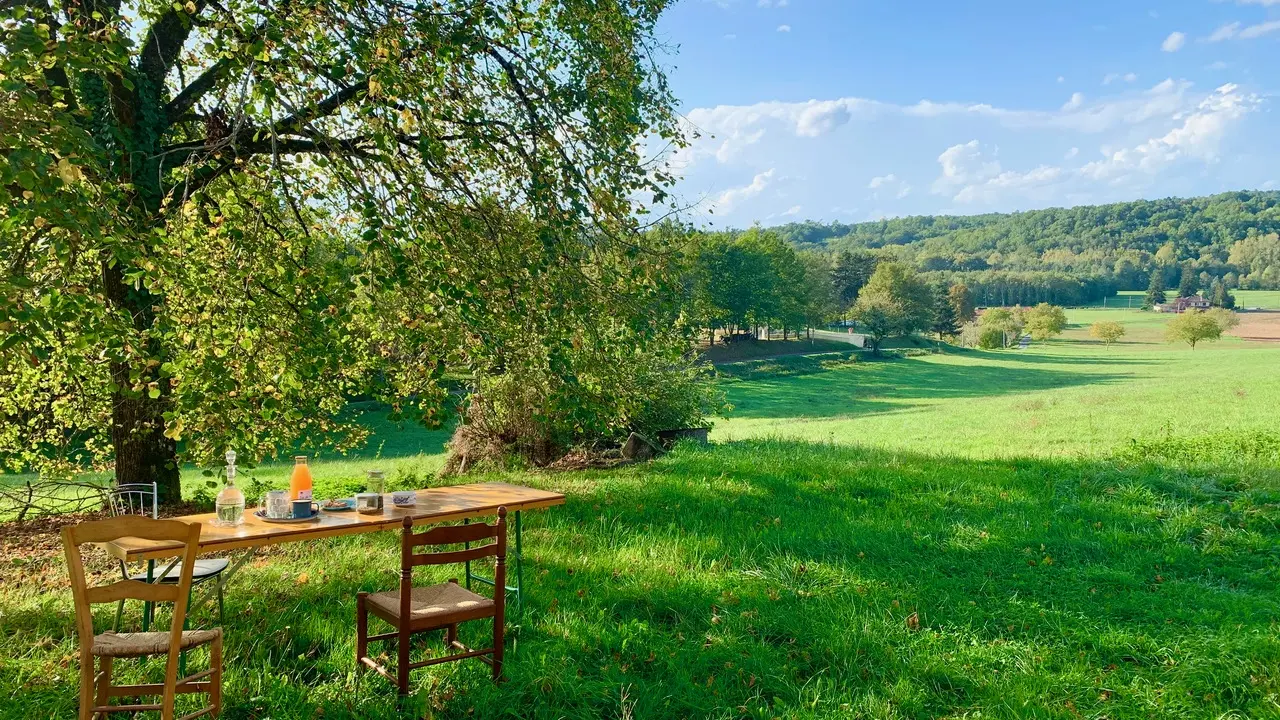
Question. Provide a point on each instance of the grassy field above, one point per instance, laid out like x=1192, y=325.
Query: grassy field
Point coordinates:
x=1132, y=299
x=961, y=535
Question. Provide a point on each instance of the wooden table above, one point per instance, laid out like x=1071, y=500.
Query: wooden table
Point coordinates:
x=435, y=505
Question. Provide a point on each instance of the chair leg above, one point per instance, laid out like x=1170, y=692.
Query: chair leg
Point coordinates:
x=86, y=686
x=215, y=681
x=104, y=682
x=362, y=632
x=497, y=646
x=450, y=636
x=221, y=616
x=402, y=661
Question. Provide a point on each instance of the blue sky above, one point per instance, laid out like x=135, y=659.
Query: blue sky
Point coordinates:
x=853, y=110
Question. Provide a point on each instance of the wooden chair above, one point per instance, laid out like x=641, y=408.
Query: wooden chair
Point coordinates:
x=96, y=690
x=413, y=610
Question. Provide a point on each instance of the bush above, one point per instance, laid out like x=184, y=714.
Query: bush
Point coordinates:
x=591, y=394
x=1226, y=448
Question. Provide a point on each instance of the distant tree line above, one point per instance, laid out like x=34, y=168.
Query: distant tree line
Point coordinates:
x=739, y=282
x=1233, y=238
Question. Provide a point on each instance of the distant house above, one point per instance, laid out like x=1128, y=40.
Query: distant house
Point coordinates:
x=1183, y=304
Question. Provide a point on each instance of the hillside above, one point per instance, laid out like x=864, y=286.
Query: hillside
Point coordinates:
x=1191, y=224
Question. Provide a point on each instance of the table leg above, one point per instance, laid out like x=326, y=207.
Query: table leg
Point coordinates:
x=214, y=589
x=519, y=569
x=148, y=607
x=467, y=546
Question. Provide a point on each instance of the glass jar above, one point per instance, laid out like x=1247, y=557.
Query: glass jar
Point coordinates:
x=377, y=482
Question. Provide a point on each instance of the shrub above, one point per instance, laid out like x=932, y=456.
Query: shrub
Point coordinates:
x=591, y=394
x=1216, y=448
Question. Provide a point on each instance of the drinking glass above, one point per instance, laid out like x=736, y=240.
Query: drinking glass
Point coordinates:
x=279, y=505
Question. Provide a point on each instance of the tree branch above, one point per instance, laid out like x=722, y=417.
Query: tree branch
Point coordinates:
x=164, y=42
x=192, y=93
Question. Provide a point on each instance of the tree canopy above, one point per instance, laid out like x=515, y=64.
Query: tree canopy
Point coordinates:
x=221, y=220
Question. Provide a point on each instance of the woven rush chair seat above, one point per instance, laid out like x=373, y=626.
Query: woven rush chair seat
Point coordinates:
x=433, y=603
x=110, y=644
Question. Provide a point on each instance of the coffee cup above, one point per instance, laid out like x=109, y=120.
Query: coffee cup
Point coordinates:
x=304, y=509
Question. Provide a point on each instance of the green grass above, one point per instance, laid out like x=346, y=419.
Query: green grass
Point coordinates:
x=740, y=351
x=1265, y=299
x=1059, y=522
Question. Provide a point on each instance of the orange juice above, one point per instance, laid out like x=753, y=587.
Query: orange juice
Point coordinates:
x=300, y=481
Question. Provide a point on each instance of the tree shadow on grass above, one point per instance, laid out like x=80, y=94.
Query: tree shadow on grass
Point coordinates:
x=886, y=387
x=807, y=556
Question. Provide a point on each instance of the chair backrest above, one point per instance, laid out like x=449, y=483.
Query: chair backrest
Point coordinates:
x=134, y=499
x=101, y=531
x=453, y=535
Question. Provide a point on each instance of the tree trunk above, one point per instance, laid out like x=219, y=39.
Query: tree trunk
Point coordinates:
x=142, y=452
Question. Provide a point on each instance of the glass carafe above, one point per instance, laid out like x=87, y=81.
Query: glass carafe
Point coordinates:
x=229, y=505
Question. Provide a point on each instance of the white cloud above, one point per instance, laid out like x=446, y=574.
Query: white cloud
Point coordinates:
x=1217, y=65
x=1197, y=137
x=1110, y=78
x=1036, y=183
x=1237, y=31
x=1226, y=32
x=1133, y=142
x=971, y=178
x=964, y=164
x=1077, y=99
x=730, y=36
x=731, y=197
x=1131, y=77
x=793, y=210
x=1264, y=3
x=820, y=118
x=1256, y=31
x=784, y=28
x=1174, y=42
x=772, y=3
x=1062, y=79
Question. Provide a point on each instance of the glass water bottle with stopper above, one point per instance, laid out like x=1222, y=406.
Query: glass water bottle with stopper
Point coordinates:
x=229, y=506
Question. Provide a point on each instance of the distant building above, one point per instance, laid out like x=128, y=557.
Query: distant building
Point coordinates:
x=1183, y=304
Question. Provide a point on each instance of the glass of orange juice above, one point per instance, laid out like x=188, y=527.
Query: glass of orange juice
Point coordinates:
x=300, y=481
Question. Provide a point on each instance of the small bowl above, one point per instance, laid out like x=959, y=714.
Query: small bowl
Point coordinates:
x=404, y=498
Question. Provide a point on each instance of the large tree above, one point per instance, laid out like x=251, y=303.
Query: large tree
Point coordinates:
x=895, y=301
x=1192, y=327
x=1045, y=321
x=1155, y=290
x=944, y=314
x=219, y=219
x=1189, y=283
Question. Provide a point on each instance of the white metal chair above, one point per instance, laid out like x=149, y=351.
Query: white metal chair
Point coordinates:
x=141, y=499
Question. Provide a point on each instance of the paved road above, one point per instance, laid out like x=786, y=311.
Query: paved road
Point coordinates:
x=855, y=339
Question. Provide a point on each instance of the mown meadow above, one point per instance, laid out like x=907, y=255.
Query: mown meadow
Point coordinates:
x=1067, y=531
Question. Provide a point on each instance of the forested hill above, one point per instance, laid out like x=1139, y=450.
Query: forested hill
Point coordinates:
x=1191, y=225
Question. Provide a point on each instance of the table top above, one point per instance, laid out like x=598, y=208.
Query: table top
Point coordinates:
x=434, y=505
